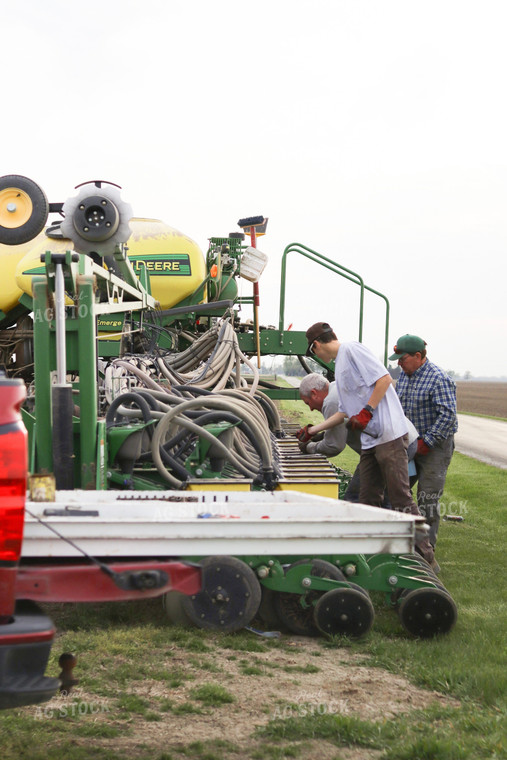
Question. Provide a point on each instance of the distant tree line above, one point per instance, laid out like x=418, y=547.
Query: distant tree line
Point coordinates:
x=290, y=365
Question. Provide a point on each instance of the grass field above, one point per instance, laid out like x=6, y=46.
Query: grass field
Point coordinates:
x=148, y=690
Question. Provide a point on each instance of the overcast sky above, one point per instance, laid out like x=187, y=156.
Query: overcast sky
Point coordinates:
x=373, y=132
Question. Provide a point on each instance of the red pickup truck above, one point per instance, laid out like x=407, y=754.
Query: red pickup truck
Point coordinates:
x=26, y=633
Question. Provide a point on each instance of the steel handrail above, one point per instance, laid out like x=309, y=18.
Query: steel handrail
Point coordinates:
x=339, y=269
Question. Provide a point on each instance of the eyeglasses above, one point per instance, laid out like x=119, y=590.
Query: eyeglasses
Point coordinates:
x=325, y=329
x=311, y=348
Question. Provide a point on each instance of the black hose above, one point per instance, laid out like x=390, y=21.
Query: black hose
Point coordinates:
x=304, y=364
x=207, y=418
x=187, y=438
x=133, y=398
x=268, y=412
x=194, y=389
x=166, y=399
x=148, y=404
x=218, y=416
x=174, y=464
x=197, y=308
x=152, y=403
x=329, y=373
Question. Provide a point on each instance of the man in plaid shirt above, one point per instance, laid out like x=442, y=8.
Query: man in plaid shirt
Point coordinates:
x=428, y=397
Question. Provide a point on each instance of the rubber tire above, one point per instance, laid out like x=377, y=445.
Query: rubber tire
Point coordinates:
x=355, y=621
x=398, y=594
x=427, y=612
x=38, y=218
x=242, y=590
x=293, y=616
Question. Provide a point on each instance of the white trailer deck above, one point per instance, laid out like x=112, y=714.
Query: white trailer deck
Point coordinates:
x=189, y=524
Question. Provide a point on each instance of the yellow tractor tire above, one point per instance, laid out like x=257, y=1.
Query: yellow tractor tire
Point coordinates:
x=24, y=209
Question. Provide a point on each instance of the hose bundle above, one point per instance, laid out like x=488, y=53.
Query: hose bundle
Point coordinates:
x=179, y=395
x=212, y=362
x=180, y=421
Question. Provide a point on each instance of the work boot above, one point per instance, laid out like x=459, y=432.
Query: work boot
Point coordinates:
x=425, y=549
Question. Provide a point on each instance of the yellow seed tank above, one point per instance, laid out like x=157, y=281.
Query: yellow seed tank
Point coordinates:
x=174, y=262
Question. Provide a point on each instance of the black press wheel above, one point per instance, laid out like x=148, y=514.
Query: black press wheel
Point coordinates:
x=345, y=612
x=427, y=612
x=359, y=588
x=398, y=594
x=24, y=209
x=296, y=610
x=230, y=596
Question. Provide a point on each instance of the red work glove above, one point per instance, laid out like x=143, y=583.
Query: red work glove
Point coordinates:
x=359, y=421
x=303, y=435
x=422, y=448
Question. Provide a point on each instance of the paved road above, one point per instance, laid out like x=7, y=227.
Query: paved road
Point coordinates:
x=482, y=439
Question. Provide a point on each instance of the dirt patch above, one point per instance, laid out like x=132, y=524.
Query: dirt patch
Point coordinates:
x=482, y=398
x=301, y=679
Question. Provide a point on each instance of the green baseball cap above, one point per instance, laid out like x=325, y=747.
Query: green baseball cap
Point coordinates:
x=407, y=344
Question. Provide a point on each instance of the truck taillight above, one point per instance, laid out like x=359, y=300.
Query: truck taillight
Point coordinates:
x=12, y=513
x=13, y=469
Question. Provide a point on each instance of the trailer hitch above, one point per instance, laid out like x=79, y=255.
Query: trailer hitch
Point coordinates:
x=139, y=580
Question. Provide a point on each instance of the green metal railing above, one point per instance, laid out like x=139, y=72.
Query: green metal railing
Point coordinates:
x=348, y=274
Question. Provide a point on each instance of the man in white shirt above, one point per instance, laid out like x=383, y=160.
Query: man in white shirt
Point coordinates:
x=367, y=397
x=318, y=393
